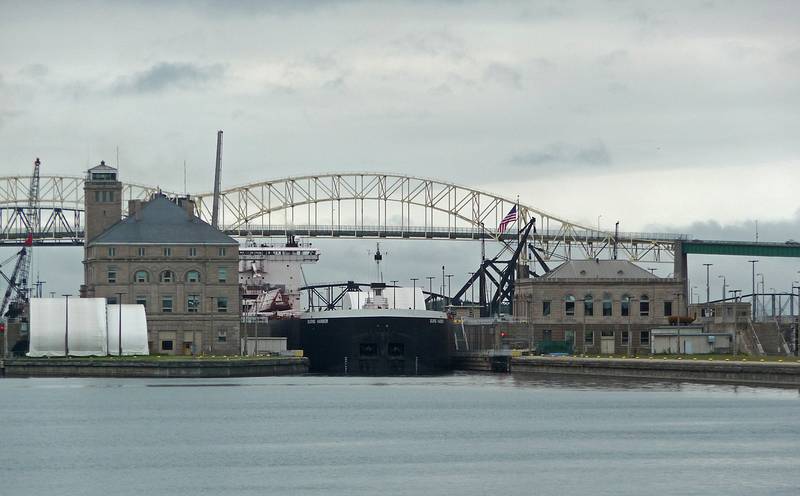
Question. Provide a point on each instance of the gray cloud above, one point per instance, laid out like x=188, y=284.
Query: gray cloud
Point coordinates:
x=35, y=71
x=564, y=153
x=165, y=75
x=503, y=74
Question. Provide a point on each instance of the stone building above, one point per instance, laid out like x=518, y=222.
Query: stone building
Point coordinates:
x=599, y=306
x=162, y=256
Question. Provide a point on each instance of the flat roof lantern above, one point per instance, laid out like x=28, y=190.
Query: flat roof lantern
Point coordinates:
x=102, y=173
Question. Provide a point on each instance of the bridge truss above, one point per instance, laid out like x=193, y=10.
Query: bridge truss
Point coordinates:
x=344, y=205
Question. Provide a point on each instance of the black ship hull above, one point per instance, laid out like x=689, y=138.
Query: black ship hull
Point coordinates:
x=361, y=342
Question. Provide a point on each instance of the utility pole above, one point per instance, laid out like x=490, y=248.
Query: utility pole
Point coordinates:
x=708, y=287
x=414, y=292
x=753, y=297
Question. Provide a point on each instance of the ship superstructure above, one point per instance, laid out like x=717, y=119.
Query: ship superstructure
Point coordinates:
x=270, y=277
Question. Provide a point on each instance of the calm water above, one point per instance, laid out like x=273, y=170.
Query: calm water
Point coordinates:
x=460, y=434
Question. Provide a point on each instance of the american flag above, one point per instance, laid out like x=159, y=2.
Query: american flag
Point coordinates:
x=510, y=217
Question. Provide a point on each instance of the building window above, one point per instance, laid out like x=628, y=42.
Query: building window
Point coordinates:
x=167, y=276
x=547, y=335
x=545, y=308
x=607, y=305
x=588, y=338
x=222, y=274
x=667, y=308
x=141, y=276
x=644, y=337
x=141, y=300
x=112, y=275
x=141, y=252
x=644, y=306
x=193, y=276
x=112, y=252
x=192, y=252
x=222, y=337
x=166, y=345
x=625, y=337
x=569, y=305
x=625, y=307
x=222, y=251
x=111, y=300
x=166, y=304
x=588, y=305
x=193, y=303
x=167, y=252
x=222, y=304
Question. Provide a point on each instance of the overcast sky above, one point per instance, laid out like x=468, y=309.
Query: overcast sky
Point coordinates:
x=668, y=116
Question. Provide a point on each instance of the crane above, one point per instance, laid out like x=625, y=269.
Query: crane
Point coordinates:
x=33, y=228
x=17, y=306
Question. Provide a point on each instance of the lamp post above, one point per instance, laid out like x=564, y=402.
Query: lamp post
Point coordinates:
x=119, y=301
x=394, y=293
x=448, y=276
x=430, y=284
x=708, y=286
x=724, y=285
x=211, y=311
x=753, y=297
x=472, y=288
x=414, y=291
x=66, y=324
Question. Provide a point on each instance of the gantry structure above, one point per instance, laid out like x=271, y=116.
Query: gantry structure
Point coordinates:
x=338, y=205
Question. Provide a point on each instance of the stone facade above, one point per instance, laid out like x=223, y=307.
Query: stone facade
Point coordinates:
x=162, y=256
x=197, y=304
x=599, y=314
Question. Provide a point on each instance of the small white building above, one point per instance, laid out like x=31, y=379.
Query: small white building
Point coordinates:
x=689, y=340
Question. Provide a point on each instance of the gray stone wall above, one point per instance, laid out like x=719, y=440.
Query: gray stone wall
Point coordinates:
x=113, y=269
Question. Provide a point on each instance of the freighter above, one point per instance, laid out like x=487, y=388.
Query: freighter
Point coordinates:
x=382, y=330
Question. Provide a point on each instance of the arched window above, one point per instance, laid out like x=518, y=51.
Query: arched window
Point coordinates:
x=607, y=308
x=193, y=276
x=141, y=276
x=625, y=307
x=588, y=305
x=644, y=306
x=167, y=276
x=569, y=305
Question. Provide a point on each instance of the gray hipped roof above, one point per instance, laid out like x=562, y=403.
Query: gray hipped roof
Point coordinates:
x=160, y=221
x=599, y=269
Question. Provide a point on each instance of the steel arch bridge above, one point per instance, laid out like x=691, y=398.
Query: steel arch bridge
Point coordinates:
x=338, y=205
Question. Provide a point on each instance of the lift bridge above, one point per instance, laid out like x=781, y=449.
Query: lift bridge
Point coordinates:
x=336, y=205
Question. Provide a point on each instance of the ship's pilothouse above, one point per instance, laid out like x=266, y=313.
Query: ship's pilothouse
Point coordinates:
x=270, y=276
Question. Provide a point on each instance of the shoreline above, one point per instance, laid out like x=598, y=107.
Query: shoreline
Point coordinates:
x=775, y=374
x=126, y=367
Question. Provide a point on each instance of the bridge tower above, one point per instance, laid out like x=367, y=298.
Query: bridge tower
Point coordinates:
x=102, y=197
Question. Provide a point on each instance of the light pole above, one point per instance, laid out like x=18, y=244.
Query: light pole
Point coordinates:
x=472, y=288
x=708, y=286
x=66, y=324
x=760, y=293
x=119, y=300
x=753, y=297
x=724, y=286
x=430, y=284
x=443, y=285
x=210, y=334
x=414, y=291
x=448, y=276
x=394, y=293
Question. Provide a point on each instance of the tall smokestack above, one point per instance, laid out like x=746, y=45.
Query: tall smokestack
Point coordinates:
x=217, y=174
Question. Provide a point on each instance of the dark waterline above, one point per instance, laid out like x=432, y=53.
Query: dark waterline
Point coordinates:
x=454, y=434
